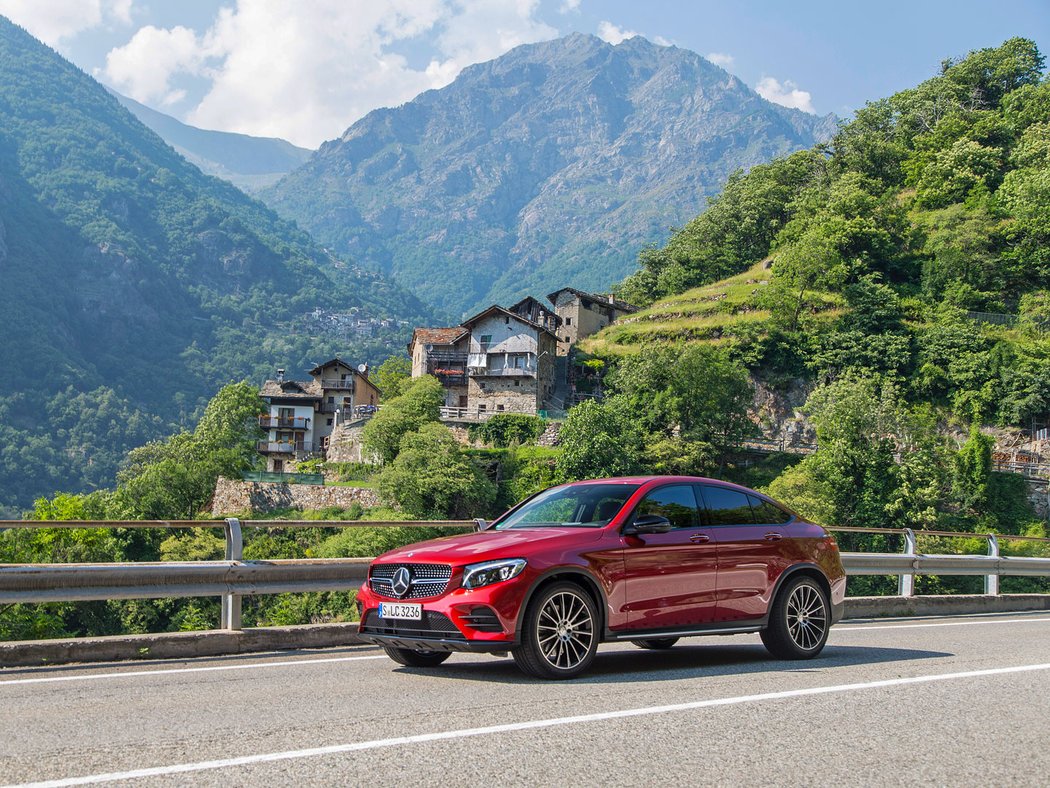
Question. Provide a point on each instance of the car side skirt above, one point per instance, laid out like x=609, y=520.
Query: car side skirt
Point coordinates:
x=727, y=628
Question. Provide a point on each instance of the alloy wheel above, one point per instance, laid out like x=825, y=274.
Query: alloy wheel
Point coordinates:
x=565, y=630
x=807, y=617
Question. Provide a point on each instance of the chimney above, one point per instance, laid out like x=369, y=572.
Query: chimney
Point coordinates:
x=280, y=374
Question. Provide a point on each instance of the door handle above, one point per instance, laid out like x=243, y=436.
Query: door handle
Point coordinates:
x=699, y=538
x=773, y=536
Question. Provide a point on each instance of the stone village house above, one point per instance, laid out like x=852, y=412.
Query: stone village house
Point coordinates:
x=303, y=414
x=511, y=360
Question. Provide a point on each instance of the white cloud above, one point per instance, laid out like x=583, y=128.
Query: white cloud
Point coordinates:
x=306, y=71
x=56, y=21
x=721, y=59
x=143, y=67
x=609, y=32
x=569, y=7
x=786, y=94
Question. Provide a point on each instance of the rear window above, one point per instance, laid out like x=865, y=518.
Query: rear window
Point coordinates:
x=768, y=513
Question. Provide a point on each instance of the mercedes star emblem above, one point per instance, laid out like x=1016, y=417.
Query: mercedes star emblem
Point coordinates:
x=401, y=581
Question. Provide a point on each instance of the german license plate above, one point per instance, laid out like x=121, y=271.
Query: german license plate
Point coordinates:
x=401, y=610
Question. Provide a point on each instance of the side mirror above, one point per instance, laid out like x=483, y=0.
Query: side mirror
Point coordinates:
x=480, y=524
x=651, y=524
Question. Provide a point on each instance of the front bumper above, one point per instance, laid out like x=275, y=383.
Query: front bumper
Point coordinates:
x=435, y=644
x=451, y=621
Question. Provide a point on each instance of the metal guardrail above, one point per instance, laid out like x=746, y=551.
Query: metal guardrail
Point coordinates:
x=233, y=577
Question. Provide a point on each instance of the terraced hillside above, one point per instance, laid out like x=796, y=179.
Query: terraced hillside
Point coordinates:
x=732, y=308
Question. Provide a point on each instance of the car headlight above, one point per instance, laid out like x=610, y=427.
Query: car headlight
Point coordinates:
x=478, y=575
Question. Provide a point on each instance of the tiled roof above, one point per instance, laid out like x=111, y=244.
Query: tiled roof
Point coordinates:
x=438, y=336
x=599, y=298
x=291, y=389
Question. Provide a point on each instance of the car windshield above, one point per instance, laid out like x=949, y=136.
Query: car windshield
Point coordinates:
x=582, y=506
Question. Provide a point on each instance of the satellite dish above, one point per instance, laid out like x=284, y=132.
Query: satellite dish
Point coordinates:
x=362, y=368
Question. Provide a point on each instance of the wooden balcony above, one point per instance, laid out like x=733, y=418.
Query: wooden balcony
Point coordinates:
x=284, y=423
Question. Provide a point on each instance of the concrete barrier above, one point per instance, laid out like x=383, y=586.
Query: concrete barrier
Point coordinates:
x=189, y=645
x=955, y=605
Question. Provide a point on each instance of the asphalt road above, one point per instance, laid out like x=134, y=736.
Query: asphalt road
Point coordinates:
x=959, y=701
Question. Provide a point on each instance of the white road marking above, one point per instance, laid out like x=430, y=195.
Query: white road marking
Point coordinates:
x=981, y=623
x=170, y=671
x=423, y=738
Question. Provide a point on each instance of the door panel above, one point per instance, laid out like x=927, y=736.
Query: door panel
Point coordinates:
x=671, y=577
x=751, y=555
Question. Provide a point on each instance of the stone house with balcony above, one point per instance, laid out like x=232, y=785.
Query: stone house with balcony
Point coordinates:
x=303, y=414
x=442, y=352
x=498, y=361
x=581, y=314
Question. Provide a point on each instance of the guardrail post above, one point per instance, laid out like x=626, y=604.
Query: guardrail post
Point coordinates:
x=231, y=603
x=991, y=582
x=906, y=582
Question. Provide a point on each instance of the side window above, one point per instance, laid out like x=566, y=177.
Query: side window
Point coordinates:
x=767, y=513
x=676, y=502
x=727, y=507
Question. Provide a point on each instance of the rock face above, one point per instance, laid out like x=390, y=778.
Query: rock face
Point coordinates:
x=552, y=165
x=232, y=496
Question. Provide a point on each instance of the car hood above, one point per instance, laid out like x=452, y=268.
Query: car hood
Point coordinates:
x=489, y=545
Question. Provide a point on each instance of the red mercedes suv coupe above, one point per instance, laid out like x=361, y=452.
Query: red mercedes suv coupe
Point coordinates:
x=647, y=560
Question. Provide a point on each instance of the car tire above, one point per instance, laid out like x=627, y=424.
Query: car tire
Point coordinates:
x=655, y=644
x=799, y=620
x=560, y=633
x=416, y=659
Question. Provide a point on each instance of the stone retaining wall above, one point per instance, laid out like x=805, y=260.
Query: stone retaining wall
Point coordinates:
x=233, y=496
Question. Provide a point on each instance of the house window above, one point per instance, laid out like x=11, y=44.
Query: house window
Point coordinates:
x=329, y=422
x=331, y=400
x=568, y=321
x=517, y=382
x=499, y=407
x=483, y=407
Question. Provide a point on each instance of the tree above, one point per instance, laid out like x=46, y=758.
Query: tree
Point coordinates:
x=973, y=470
x=392, y=376
x=432, y=479
x=697, y=394
x=175, y=478
x=599, y=439
x=419, y=404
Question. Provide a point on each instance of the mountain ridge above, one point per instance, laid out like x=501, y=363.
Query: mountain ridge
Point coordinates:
x=248, y=162
x=541, y=168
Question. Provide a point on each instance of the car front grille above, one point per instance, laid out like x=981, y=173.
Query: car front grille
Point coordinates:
x=433, y=625
x=427, y=580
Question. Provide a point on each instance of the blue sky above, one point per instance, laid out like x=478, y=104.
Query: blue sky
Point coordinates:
x=307, y=70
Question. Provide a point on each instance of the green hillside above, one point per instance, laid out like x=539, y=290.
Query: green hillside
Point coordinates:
x=134, y=285
x=890, y=291
x=732, y=309
x=914, y=246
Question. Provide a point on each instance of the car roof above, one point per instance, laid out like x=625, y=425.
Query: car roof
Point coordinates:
x=648, y=479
